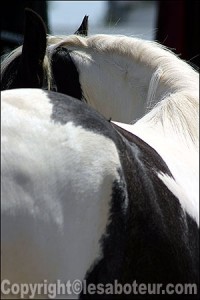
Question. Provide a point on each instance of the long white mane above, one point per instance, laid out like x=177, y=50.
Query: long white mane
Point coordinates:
x=150, y=78
x=177, y=73
x=172, y=83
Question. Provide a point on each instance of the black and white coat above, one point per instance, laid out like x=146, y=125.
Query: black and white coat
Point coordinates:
x=82, y=199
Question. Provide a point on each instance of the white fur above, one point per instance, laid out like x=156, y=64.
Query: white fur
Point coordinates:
x=153, y=86
x=56, y=191
x=188, y=202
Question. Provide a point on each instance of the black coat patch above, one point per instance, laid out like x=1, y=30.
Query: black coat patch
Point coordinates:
x=65, y=74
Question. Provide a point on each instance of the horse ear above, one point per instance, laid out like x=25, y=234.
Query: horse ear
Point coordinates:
x=30, y=71
x=83, y=29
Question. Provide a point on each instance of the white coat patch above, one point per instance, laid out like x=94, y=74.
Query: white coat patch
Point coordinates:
x=56, y=191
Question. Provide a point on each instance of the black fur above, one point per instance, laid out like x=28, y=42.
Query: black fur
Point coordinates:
x=65, y=74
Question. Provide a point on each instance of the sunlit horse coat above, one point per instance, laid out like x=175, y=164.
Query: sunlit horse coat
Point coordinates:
x=154, y=173
x=83, y=199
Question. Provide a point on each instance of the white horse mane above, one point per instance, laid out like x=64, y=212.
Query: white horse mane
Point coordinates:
x=179, y=105
x=151, y=52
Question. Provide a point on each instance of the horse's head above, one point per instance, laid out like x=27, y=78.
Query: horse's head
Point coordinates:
x=25, y=66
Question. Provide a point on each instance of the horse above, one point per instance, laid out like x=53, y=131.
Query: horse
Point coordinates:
x=151, y=88
x=141, y=73
x=154, y=94
x=84, y=199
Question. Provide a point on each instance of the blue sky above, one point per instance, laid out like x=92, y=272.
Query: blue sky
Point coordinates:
x=71, y=13
x=65, y=17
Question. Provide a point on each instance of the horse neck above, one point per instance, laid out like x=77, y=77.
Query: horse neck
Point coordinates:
x=123, y=77
x=110, y=85
x=154, y=84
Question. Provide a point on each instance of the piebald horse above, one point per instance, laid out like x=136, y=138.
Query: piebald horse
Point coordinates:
x=84, y=199
x=117, y=76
